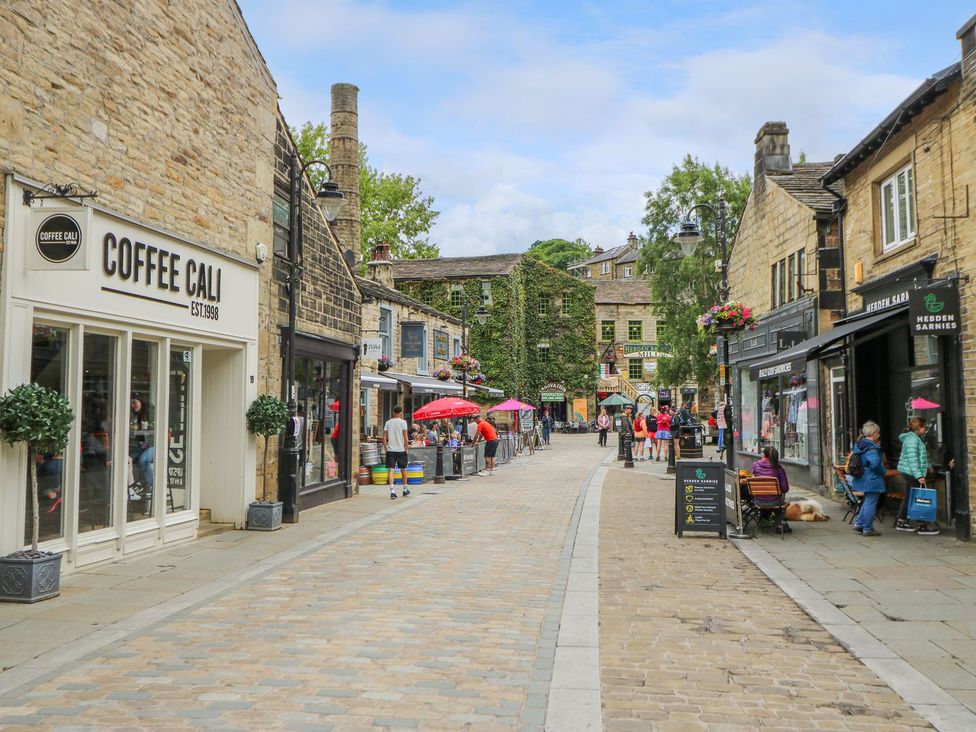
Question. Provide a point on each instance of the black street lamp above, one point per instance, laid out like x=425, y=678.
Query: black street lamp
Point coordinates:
x=329, y=200
x=689, y=238
x=481, y=315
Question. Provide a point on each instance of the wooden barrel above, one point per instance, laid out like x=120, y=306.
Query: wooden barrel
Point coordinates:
x=364, y=475
x=370, y=452
x=415, y=473
x=381, y=474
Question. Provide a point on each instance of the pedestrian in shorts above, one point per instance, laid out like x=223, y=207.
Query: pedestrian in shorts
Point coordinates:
x=395, y=441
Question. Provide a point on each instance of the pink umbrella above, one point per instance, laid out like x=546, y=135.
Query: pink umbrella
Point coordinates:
x=512, y=405
x=921, y=403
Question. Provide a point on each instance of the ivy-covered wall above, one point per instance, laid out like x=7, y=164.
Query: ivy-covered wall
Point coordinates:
x=508, y=343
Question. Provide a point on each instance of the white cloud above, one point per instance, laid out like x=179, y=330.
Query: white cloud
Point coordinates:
x=522, y=135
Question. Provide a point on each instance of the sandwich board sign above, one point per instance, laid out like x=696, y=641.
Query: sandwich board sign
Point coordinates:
x=699, y=497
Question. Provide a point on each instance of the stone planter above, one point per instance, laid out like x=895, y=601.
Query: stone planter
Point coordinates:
x=264, y=516
x=26, y=579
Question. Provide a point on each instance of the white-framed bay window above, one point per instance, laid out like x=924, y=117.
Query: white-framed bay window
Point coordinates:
x=897, y=209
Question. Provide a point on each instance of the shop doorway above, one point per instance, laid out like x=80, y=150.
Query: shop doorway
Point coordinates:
x=223, y=433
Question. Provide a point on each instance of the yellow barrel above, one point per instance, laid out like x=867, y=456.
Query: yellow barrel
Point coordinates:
x=381, y=474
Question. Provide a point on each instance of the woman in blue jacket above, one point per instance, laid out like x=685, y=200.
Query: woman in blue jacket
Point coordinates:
x=871, y=481
x=914, y=466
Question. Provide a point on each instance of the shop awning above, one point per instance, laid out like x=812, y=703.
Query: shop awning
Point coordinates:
x=375, y=381
x=794, y=359
x=425, y=384
x=489, y=390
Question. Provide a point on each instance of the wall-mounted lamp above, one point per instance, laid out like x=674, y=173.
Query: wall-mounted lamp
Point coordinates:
x=57, y=190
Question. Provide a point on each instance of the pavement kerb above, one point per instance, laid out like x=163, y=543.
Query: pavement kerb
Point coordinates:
x=575, y=701
x=16, y=679
x=919, y=692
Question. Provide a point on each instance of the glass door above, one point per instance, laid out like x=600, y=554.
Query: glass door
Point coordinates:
x=97, y=432
x=178, y=443
x=141, y=455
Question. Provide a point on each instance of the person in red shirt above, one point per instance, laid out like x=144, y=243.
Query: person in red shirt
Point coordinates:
x=487, y=433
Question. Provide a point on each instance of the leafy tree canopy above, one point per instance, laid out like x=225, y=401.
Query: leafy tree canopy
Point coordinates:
x=560, y=253
x=393, y=207
x=685, y=287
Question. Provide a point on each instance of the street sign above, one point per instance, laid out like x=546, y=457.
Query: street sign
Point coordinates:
x=372, y=348
x=699, y=497
x=934, y=311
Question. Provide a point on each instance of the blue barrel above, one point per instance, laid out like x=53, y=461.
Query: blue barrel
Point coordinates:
x=415, y=473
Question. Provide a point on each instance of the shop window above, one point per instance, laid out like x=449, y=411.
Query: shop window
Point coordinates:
x=770, y=426
x=897, y=209
x=97, y=432
x=486, y=292
x=457, y=296
x=795, y=418
x=635, y=330
x=386, y=331
x=608, y=330
x=49, y=367
x=140, y=466
x=749, y=414
x=319, y=383
x=635, y=369
x=178, y=447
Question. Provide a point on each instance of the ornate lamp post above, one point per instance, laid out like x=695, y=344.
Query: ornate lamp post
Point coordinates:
x=329, y=200
x=688, y=238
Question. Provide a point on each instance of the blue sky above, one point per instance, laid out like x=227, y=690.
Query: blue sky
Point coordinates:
x=532, y=120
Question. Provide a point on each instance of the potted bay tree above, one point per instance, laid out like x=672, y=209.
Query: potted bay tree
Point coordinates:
x=40, y=418
x=266, y=416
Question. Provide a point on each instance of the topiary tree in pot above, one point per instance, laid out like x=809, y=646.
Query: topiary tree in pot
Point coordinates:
x=41, y=418
x=266, y=416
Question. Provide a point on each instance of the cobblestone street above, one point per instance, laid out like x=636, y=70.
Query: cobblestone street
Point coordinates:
x=444, y=614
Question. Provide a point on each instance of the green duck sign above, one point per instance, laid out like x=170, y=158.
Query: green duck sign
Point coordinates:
x=934, y=311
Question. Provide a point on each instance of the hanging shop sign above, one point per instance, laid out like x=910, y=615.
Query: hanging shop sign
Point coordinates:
x=58, y=238
x=934, y=311
x=664, y=394
x=371, y=348
x=412, y=340
x=442, y=345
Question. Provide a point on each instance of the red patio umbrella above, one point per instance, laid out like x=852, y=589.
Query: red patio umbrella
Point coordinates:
x=446, y=407
x=334, y=406
x=511, y=405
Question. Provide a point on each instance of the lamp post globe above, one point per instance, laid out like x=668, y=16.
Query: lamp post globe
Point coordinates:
x=689, y=238
x=481, y=315
x=329, y=199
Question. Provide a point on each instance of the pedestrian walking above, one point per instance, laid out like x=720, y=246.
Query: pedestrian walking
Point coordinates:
x=768, y=467
x=663, y=431
x=547, y=421
x=651, y=440
x=603, y=424
x=871, y=480
x=627, y=427
x=485, y=431
x=640, y=434
x=722, y=426
x=914, y=466
x=395, y=440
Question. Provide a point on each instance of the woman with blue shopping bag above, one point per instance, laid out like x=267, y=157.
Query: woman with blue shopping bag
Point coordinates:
x=920, y=500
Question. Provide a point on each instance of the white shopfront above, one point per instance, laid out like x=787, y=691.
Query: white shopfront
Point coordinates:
x=153, y=340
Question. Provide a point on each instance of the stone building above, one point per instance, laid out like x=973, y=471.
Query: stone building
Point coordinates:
x=539, y=331
x=617, y=263
x=148, y=306
x=418, y=339
x=784, y=265
x=626, y=339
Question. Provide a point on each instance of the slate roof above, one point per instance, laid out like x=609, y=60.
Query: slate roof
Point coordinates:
x=926, y=93
x=458, y=268
x=622, y=292
x=602, y=256
x=380, y=292
x=804, y=185
x=629, y=257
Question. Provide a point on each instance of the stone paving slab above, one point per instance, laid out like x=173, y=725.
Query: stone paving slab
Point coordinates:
x=913, y=594
x=693, y=636
x=442, y=616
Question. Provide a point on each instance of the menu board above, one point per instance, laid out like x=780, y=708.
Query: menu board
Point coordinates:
x=733, y=506
x=699, y=497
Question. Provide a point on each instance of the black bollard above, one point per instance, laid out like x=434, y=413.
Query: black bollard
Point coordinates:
x=439, y=465
x=671, y=467
x=620, y=446
x=629, y=451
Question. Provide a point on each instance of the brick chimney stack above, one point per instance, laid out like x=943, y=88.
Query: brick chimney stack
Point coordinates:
x=967, y=38
x=772, y=151
x=598, y=249
x=380, y=265
x=632, y=240
x=344, y=141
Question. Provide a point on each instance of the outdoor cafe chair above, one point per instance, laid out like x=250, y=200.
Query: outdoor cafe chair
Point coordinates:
x=765, y=496
x=854, y=498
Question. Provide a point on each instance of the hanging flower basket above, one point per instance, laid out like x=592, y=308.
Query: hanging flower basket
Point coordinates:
x=465, y=363
x=730, y=317
x=385, y=363
x=478, y=378
x=443, y=374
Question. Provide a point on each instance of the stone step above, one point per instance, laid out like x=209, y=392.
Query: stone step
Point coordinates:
x=206, y=527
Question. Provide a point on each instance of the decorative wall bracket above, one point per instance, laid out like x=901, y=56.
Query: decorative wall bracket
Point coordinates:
x=57, y=190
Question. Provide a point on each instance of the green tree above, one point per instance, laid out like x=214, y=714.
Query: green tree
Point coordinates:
x=685, y=287
x=393, y=208
x=560, y=253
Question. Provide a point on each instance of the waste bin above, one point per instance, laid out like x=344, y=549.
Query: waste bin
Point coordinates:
x=691, y=441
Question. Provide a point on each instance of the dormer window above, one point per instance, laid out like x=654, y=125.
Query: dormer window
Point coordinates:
x=897, y=209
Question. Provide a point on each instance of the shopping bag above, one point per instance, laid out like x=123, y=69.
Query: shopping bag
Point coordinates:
x=921, y=504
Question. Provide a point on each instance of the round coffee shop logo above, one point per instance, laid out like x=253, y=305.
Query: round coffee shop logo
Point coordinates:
x=58, y=238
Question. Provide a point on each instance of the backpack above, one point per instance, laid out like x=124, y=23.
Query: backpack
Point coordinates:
x=855, y=464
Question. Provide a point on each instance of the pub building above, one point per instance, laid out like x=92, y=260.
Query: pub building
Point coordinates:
x=153, y=339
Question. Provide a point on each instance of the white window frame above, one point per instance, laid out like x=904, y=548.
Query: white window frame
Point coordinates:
x=386, y=337
x=450, y=295
x=589, y=272
x=900, y=204
x=455, y=345
x=606, y=267
x=486, y=292
x=628, y=271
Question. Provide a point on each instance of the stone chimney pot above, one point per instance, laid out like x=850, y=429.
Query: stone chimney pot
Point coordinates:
x=772, y=151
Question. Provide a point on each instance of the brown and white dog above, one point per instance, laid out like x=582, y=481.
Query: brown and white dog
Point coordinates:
x=806, y=509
